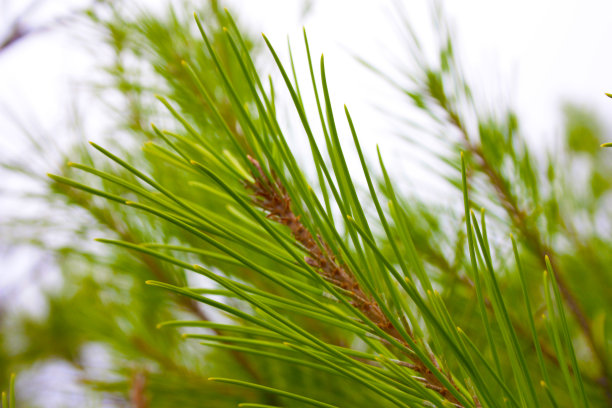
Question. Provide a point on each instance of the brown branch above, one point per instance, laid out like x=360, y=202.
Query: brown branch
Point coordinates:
x=271, y=196
x=138, y=387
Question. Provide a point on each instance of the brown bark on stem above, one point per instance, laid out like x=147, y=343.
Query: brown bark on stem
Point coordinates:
x=271, y=196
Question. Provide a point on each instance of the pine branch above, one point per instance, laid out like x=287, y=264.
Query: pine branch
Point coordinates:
x=19, y=31
x=271, y=196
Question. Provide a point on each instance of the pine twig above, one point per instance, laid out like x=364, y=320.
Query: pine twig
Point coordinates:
x=272, y=197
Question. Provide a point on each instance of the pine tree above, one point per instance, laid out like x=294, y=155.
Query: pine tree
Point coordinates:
x=296, y=280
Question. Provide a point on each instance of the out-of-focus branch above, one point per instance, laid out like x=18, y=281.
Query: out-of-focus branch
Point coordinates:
x=519, y=218
x=20, y=30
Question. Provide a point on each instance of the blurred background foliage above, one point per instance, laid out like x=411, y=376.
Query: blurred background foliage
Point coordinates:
x=555, y=203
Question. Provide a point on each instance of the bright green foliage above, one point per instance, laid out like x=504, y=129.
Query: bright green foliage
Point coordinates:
x=299, y=291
